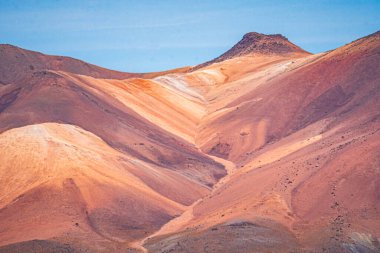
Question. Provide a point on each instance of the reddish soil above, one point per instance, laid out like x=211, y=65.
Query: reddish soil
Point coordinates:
x=267, y=148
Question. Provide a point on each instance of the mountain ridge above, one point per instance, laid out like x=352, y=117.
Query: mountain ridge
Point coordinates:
x=258, y=43
x=277, y=145
x=24, y=62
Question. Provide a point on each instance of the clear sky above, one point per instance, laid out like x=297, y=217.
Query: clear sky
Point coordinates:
x=144, y=35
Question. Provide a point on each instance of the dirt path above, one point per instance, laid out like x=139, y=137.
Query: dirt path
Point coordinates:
x=181, y=221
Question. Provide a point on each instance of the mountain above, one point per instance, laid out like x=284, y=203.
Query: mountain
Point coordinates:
x=306, y=148
x=267, y=148
x=258, y=43
x=17, y=63
x=56, y=127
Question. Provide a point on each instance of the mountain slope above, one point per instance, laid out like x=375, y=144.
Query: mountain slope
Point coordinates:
x=265, y=149
x=169, y=167
x=95, y=181
x=312, y=181
x=17, y=62
x=258, y=43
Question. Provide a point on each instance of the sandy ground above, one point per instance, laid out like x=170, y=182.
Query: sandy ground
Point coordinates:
x=178, y=223
x=261, y=152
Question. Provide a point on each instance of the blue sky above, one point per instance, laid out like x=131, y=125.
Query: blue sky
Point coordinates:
x=144, y=35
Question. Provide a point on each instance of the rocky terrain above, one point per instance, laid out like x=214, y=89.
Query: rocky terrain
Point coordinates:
x=267, y=148
x=257, y=43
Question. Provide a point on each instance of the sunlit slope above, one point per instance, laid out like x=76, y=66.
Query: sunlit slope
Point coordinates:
x=335, y=85
x=312, y=180
x=267, y=148
x=58, y=97
x=55, y=176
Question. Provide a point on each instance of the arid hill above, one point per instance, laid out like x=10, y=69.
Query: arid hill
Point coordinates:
x=260, y=44
x=267, y=148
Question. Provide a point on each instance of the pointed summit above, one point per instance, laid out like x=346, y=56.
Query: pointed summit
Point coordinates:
x=258, y=43
x=263, y=44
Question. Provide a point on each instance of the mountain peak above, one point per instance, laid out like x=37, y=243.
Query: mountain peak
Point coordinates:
x=258, y=43
x=258, y=36
x=254, y=42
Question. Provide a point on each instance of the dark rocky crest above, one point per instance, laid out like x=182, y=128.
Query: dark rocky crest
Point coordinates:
x=257, y=43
